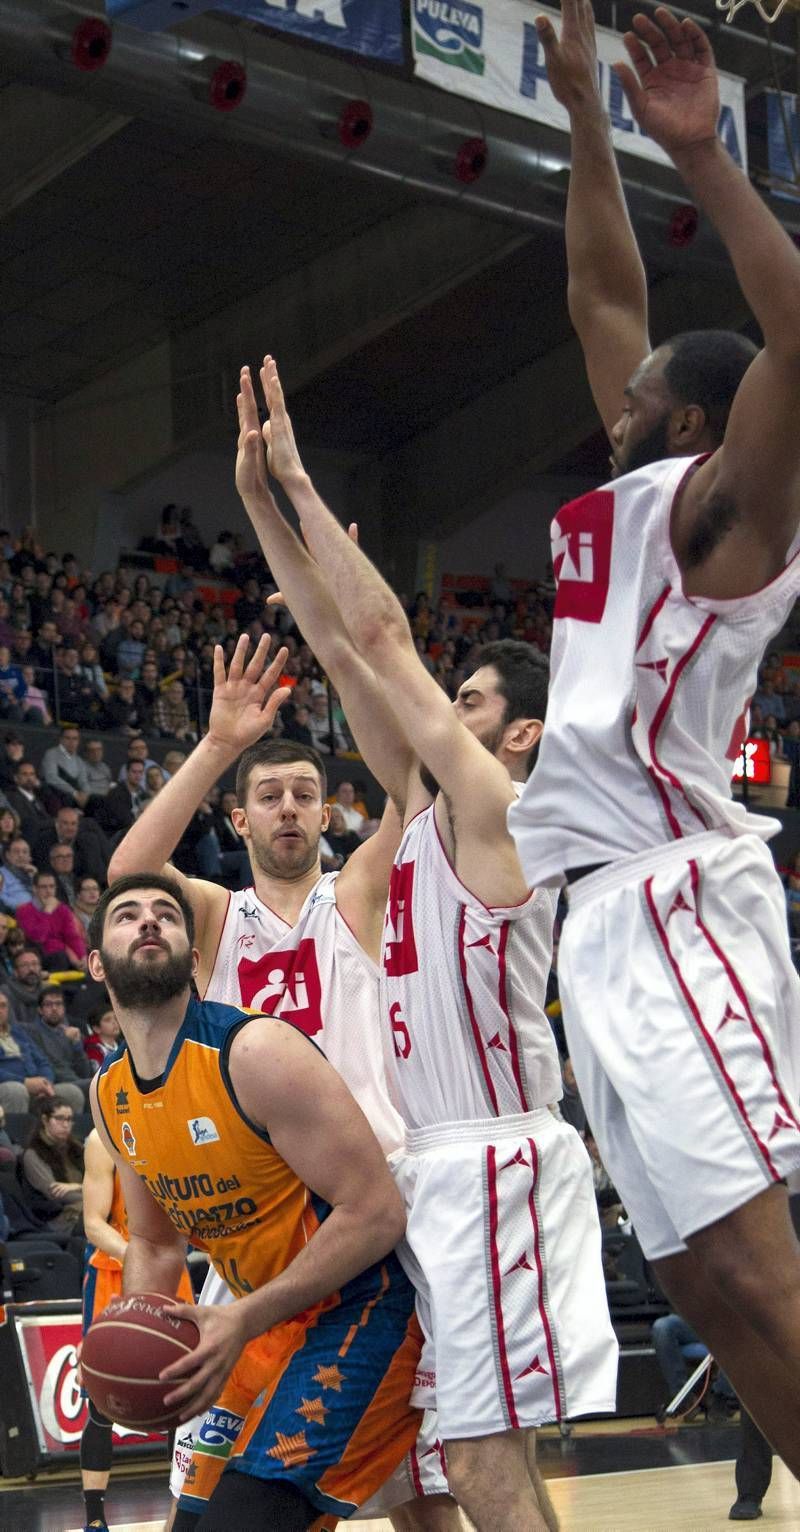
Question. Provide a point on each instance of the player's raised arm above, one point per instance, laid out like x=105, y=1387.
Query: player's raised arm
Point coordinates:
x=375, y=728
x=607, y=289
x=740, y=511
x=243, y=707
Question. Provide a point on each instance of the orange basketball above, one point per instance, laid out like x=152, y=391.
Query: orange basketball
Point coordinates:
x=123, y=1353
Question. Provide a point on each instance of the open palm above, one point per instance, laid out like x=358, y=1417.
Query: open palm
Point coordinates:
x=672, y=88
x=245, y=701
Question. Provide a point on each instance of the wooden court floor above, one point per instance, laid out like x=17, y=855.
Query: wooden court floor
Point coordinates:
x=694, y=1497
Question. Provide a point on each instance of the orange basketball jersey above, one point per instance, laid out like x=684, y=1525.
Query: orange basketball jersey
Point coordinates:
x=118, y=1219
x=216, y=1175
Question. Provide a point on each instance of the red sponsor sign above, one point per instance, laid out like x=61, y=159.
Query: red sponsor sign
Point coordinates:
x=581, y=541
x=399, y=946
x=285, y=984
x=48, y=1347
x=754, y=761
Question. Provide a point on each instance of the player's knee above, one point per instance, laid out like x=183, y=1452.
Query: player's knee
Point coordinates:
x=96, y=1444
x=432, y=1513
x=481, y=1467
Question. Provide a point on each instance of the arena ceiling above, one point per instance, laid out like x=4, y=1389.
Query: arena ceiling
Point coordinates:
x=408, y=325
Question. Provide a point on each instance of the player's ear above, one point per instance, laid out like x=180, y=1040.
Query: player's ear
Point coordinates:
x=522, y=735
x=195, y=961
x=239, y=819
x=326, y=816
x=94, y=964
x=686, y=428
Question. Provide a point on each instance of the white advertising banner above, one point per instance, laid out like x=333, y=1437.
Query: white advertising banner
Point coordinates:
x=492, y=54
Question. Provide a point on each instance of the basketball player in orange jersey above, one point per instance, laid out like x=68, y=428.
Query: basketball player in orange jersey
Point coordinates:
x=503, y=1241
x=106, y=1226
x=233, y=1132
x=671, y=582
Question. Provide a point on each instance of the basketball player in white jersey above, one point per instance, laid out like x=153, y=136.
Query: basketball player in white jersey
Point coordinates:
x=503, y=1237
x=303, y=944
x=680, y=999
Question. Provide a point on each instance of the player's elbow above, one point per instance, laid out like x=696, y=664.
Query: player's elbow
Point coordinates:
x=387, y=1220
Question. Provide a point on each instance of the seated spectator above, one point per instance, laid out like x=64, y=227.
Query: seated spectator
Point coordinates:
x=42, y=652
x=98, y=771
x=18, y=874
x=61, y=861
x=250, y=606
x=296, y=721
x=191, y=548
x=64, y=769
x=12, y=752
x=148, y=691
x=769, y=731
x=10, y=1153
x=50, y=923
x=678, y=1350
x=36, y=701
x=30, y=801
x=172, y=713
x=73, y=697
x=9, y=828
x=52, y=1167
x=91, y=671
x=340, y=843
x=26, y=983
x=221, y=557
x=104, y=1039
x=166, y=540
x=7, y=925
x=344, y=799
x=137, y=751
x=121, y=711
x=154, y=779
x=125, y=802
x=84, y=835
x=87, y=896
x=130, y=651
x=60, y=1043
x=172, y=760
x=322, y=739
x=26, y=1075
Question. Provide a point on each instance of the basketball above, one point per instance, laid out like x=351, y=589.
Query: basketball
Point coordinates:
x=123, y=1353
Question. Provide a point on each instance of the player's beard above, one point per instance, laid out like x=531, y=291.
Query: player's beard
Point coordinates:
x=490, y=738
x=144, y=984
x=295, y=860
x=652, y=448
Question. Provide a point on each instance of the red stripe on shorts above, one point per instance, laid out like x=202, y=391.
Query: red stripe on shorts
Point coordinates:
x=738, y=990
x=416, y=1477
x=656, y=726
x=537, y=1252
x=502, y=995
x=491, y=1167
x=712, y=1047
x=473, y=1020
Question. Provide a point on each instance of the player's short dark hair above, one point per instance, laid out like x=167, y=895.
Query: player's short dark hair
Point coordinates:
x=276, y=752
x=131, y=882
x=705, y=367
x=524, y=675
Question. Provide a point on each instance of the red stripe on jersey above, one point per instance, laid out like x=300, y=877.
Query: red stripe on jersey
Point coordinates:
x=473, y=1020
x=416, y=1477
x=543, y=1314
x=502, y=995
x=505, y=1371
x=738, y=990
x=712, y=1046
x=658, y=721
x=651, y=617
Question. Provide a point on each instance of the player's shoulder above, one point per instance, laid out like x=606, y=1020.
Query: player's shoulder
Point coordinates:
x=111, y=1060
x=210, y=1022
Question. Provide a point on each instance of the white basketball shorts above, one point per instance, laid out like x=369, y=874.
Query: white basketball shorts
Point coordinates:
x=214, y=1290
x=503, y=1246
x=682, y=1014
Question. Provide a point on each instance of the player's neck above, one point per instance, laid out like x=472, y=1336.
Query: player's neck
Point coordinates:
x=286, y=896
x=150, y=1032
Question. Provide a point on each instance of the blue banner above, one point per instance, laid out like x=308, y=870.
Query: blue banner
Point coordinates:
x=783, y=132
x=373, y=28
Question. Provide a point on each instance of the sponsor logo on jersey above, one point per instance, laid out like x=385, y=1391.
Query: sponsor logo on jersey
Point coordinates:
x=249, y=912
x=203, y=1130
x=399, y=947
x=128, y=1139
x=450, y=31
x=285, y=984
x=582, y=535
x=122, y=1102
x=218, y=1433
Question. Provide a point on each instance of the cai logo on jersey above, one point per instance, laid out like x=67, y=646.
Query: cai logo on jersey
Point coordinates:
x=450, y=31
x=285, y=984
x=581, y=538
x=399, y=947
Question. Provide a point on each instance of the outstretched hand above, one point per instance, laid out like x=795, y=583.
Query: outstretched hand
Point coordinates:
x=246, y=699
x=672, y=89
x=571, y=57
x=278, y=599
x=267, y=449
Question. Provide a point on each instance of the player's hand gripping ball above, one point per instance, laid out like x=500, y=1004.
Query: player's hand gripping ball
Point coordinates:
x=124, y=1351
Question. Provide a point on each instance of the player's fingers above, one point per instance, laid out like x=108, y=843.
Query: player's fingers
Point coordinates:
x=219, y=665
x=547, y=34
x=254, y=669
x=639, y=57
x=352, y=532
x=238, y=658
x=275, y=669
x=701, y=46
x=633, y=90
x=276, y=599
x=651, y=34
x=249, y=406
x=276, y=701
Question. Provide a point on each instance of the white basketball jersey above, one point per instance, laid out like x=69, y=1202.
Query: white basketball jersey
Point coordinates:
x=316, y=975
x=463, y=992
x=649, y=689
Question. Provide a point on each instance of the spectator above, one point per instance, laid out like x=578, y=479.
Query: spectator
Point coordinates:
x=121, y=710
x=9, y=828
x=52, y=1165
x=675, y=1343
x=50, y=923
x=172, y=713
x=84, y=835
x=340, y=842
x=345, y=799
x=130, y=650
x=296, y=723
x=91, y=672
x=74, y=697
x=98, y=771
x=250, y=605
x=168, y=532
x=29, y=801
x=7, y=925
x=36, y=701
x=172, y=760
x=60, y=1043
x=221, y=557
x=63, y=768
x=154, y=779
x=26, y=1076
x=26, y=983
x=18, y=874
x=13, y=690
x=12, y=753
x=191, y=548
x=137, y=751
x=87, y=895
x=104, y=1039
x=320, y=727
x=125, y=801
x=148, y=691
